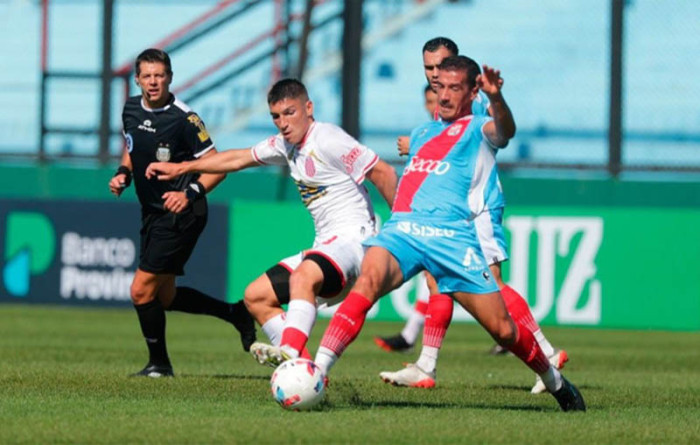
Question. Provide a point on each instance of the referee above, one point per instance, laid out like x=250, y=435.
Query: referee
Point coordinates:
x=159, y=127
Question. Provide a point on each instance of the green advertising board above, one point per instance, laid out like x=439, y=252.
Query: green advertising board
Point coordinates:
x=585, y=250
x=585, y=266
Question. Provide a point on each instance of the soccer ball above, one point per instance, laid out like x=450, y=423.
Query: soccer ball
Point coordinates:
x=298, y=384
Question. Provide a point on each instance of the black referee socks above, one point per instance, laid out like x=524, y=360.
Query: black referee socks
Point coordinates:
x=152, y=319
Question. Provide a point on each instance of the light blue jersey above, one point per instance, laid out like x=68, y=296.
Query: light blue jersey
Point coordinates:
x=480, y=105
x=451, y=171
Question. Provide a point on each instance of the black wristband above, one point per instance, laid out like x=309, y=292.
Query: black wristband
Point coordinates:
x=194, y=190
x=124, y=170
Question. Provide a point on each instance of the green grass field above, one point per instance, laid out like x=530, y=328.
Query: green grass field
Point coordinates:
x=63, y=379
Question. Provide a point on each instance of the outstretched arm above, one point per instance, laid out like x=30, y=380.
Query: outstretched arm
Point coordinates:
x=176, y=202
x=503, y=130
x=211, y=180
x=221, y=162
x=384, y=178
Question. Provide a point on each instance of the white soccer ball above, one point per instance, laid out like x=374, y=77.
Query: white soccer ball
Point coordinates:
x=298, y=384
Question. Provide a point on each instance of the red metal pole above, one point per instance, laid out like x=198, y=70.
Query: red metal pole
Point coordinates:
x=44, y=34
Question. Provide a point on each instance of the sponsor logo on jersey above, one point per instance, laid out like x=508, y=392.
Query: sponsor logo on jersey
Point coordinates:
x=146, y=126
x=350, y=158
x=416, y=229
x=421, y=165
x=454, y=130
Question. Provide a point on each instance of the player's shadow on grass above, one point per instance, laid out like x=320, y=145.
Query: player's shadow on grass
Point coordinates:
x=422, y=405
x=227, y=376
x=527, y=388
x=510, y=387
x=348, y=395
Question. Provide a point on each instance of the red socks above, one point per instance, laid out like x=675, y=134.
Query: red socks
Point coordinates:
x=297, y=340
x=305, y=354
x=437, y=320
x=518, y=309
x=346, y=323
x=421, y=307
x=528, y=350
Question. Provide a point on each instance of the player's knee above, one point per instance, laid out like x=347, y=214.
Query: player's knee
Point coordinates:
x=251, y=297
x=368, y=284
x=300, y=282
x=256, y=299
x=433, y=288
x=503, y=332
x=141, y=294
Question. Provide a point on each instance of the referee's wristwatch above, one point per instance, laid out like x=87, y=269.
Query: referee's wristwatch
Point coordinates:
x=194, y=191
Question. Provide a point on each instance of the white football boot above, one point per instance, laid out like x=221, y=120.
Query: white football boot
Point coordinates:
x=558, y=359
x=411, y=376
x=268, y=355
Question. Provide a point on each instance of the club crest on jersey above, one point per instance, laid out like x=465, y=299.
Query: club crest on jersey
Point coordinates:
x=163, y=153
x=309, y=166
x=454, y=130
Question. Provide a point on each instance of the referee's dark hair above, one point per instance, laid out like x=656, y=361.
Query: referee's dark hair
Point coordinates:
x=153, y=55
x=462, y=63
x=433, y=45
x=287, y=89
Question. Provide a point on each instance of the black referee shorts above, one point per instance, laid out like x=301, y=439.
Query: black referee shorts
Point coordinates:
x=167, y=241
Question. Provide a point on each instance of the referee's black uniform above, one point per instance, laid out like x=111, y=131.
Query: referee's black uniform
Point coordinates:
x=172, y=133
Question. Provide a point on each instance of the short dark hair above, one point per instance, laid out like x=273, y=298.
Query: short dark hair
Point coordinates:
x=427, y=88
x=153, y=55
x=287, y=89
x=462, y=63
x=433, y=45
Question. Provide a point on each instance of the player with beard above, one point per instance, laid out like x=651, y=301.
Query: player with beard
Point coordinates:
x=448, y=180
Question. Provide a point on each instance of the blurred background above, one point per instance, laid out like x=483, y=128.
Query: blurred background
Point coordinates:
x=604, y=94
x=592, y=84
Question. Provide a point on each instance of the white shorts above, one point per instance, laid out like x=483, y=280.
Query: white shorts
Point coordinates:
x=345, y=251
x=491, y=236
